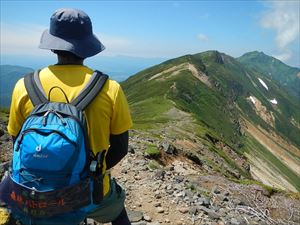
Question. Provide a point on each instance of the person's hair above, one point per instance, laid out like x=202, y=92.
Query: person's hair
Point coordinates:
x=66, y=54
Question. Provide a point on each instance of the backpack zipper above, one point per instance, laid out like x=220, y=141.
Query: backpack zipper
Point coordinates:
x=42, y=133
x=62, y=115
x=45, y=116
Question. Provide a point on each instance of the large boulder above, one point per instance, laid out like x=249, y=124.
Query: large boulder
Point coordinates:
x=168, y=148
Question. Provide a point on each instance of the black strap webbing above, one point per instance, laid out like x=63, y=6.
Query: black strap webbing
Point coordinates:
x=90, y=91
x=34, y=88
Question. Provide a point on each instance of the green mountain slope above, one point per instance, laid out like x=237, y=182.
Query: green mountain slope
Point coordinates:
x=9, y=75
x=216, y=91
x=287, y=76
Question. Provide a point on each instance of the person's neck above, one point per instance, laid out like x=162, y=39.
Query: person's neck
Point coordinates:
x=68, y=61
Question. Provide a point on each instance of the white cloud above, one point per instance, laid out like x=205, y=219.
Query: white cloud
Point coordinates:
x=283, y=18
x=115, y=45
x=284, y=56
x=21, y=39
x=202, y=37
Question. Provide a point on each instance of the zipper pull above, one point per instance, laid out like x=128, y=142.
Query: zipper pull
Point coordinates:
x=61, y=118
x=45, y=117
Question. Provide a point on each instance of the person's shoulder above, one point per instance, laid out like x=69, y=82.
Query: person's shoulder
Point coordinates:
x=113, y=83
x=20, y=85
x=113, y=86
x=45, y=70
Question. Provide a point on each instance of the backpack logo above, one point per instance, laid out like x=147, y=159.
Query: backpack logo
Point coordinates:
x=38, y=148
x=38, y=153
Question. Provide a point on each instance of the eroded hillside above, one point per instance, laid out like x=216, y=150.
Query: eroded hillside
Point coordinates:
x=213, y=98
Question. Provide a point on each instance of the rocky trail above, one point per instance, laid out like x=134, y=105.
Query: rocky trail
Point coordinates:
x=169, y=188
x=180, y=192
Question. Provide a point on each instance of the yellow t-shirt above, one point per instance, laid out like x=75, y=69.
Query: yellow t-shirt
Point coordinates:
x=107, y=114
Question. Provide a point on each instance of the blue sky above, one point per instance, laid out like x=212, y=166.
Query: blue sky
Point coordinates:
x=161, y=29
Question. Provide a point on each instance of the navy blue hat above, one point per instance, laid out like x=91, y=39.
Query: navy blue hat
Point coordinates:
x=71, y=30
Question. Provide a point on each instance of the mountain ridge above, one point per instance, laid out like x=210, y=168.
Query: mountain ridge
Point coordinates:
x=218, y=92
x=287, y=76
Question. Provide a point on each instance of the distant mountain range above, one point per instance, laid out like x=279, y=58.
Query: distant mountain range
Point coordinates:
x=249, y=104
x=118, y=67
x=9, y=75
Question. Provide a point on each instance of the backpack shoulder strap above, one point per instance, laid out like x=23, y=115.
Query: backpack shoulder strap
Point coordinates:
x=90, y=91
x=34, y=88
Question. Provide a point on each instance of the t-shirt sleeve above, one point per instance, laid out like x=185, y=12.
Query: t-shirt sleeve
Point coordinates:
x=16, y=117
x=121, y=119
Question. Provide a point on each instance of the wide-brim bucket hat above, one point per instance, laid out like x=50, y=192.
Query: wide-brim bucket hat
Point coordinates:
x=71, y=30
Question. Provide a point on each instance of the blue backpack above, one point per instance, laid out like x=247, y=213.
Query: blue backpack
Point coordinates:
x=55, y=178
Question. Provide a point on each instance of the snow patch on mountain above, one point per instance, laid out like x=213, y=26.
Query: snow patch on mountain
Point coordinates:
x=252, y=99
x=295, y=122
x=262, y=111
x=263, y=83
x=274, y=101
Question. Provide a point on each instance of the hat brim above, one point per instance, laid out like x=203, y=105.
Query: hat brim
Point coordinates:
x=83, y=48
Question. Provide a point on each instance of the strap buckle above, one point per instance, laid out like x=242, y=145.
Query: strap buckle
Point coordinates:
x=96, y=166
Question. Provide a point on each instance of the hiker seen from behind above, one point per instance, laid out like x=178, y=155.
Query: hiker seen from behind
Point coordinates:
x=70, y=126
